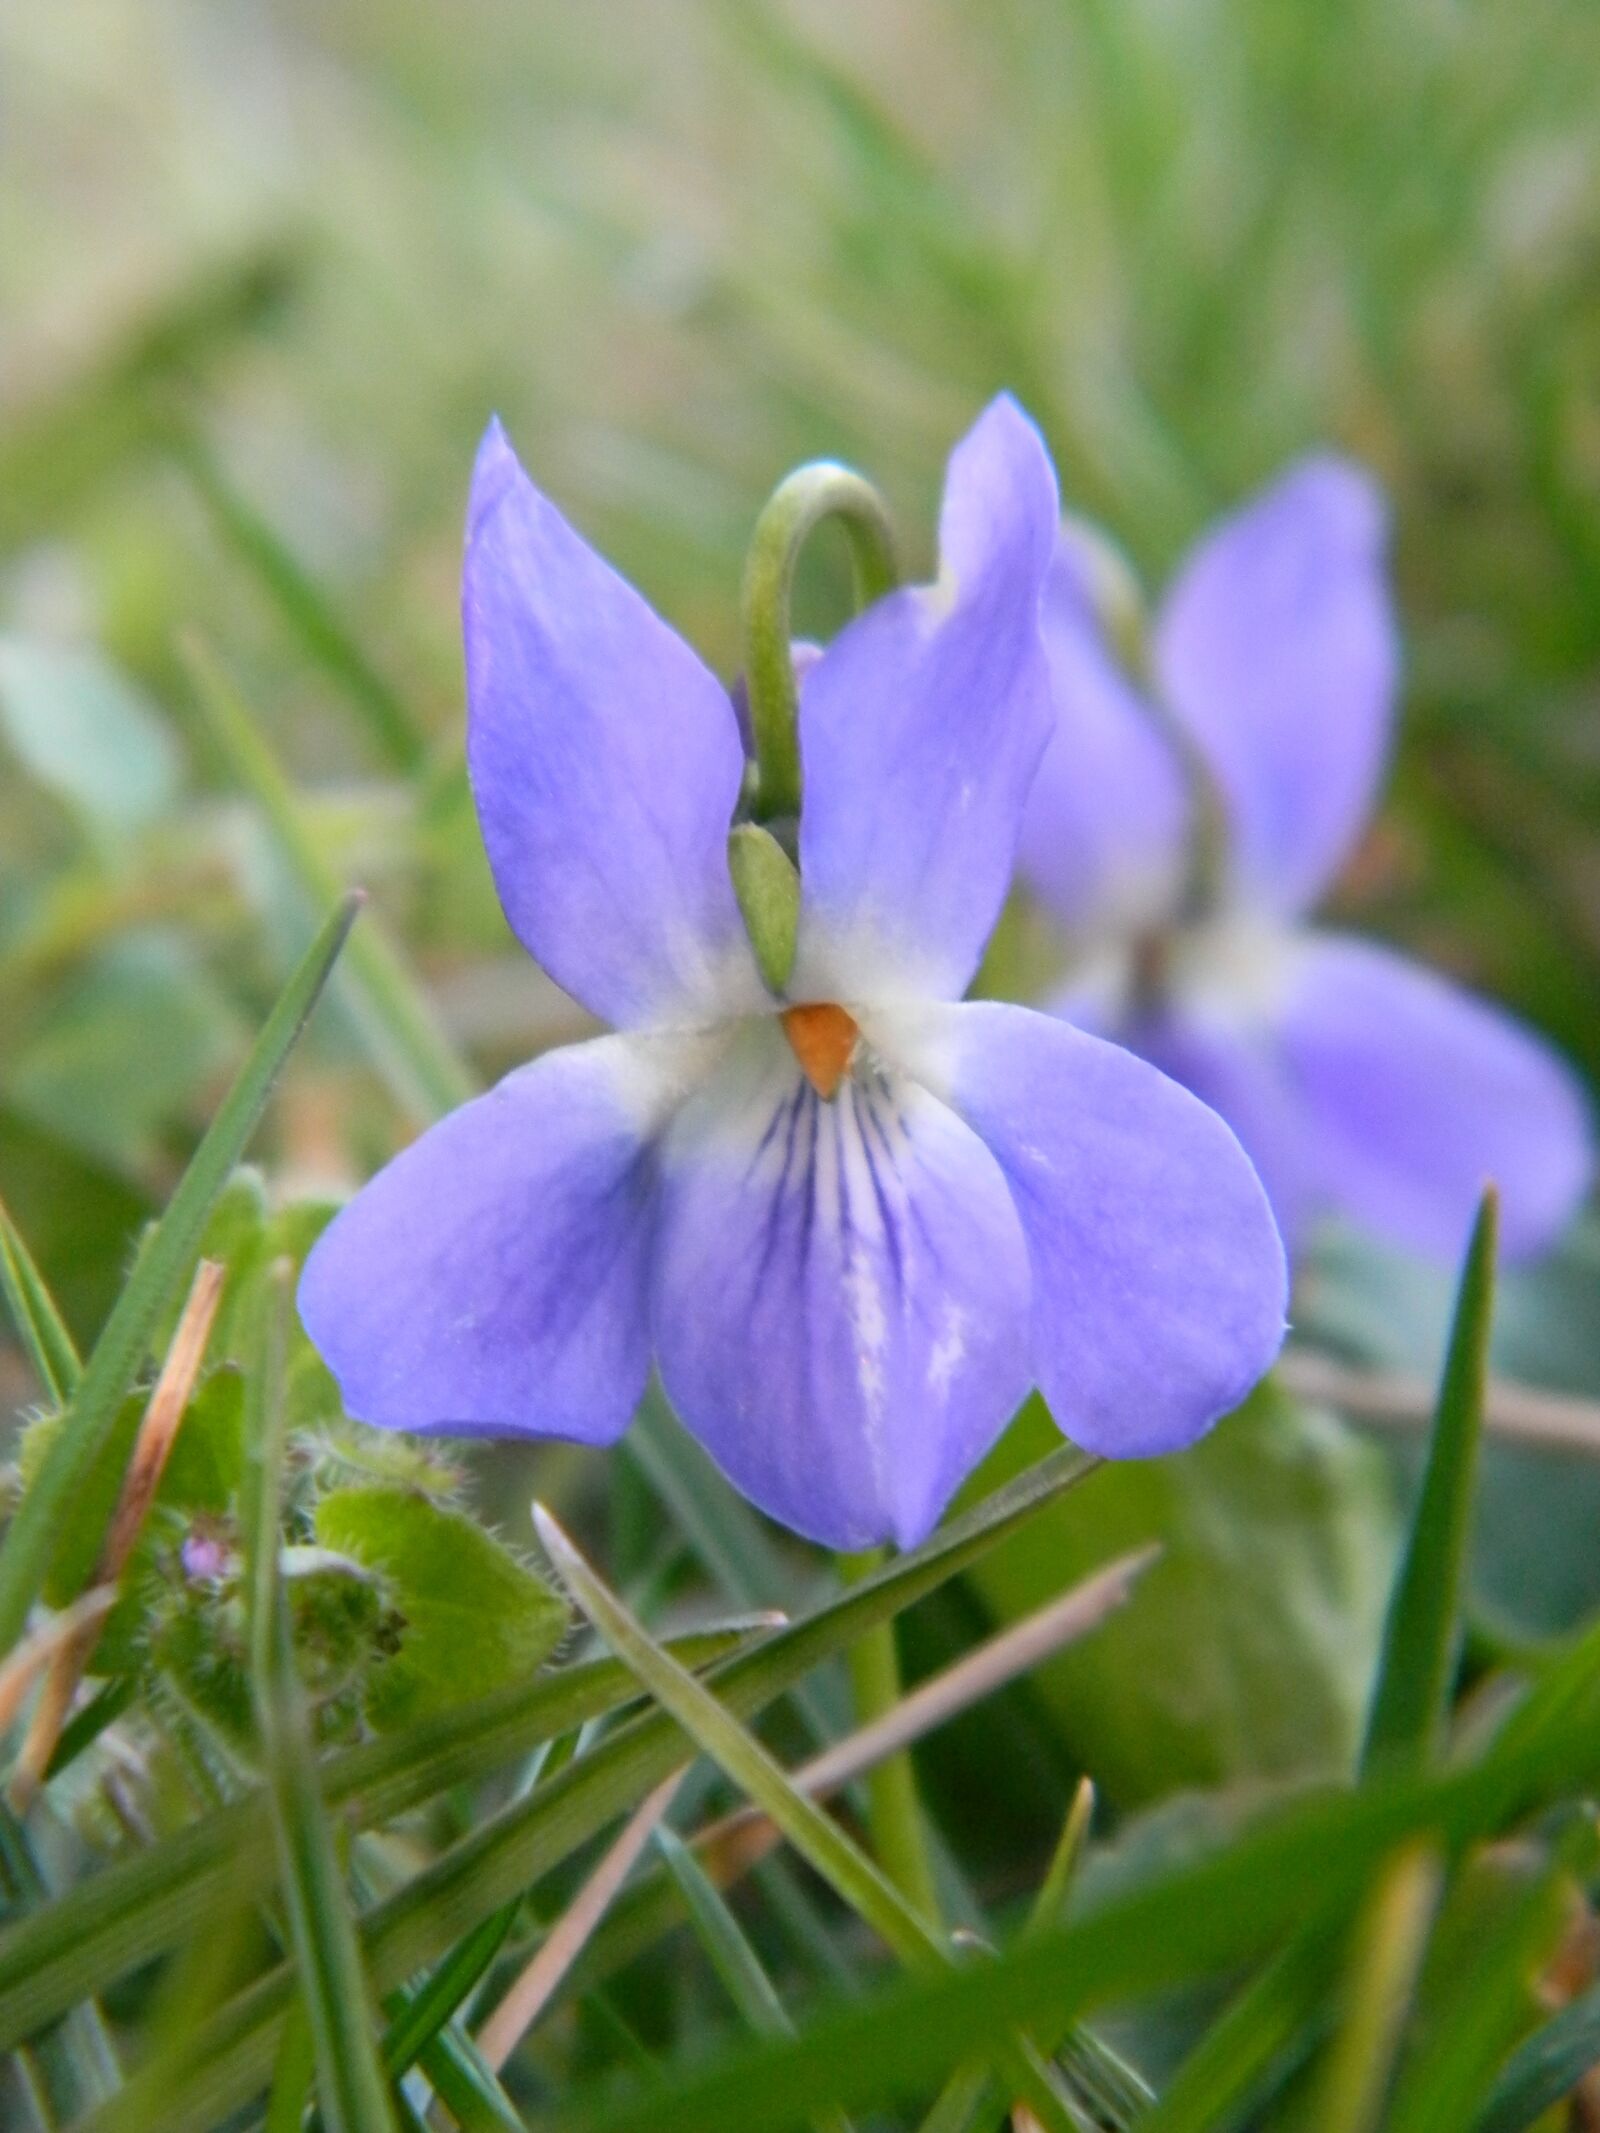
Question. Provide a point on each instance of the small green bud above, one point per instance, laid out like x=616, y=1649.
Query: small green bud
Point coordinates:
x=767, y=884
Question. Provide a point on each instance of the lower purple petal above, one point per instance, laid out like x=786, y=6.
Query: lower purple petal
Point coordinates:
x=840, y=1300
x=492, y=1280
x=1417, y=1095
x=1159, y=1284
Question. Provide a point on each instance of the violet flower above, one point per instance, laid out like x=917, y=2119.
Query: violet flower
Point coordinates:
x=852, y=1222
x=1360, y=1082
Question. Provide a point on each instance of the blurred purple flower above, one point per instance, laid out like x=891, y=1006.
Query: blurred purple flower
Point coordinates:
x=853, y=1225
x=1360, y=1082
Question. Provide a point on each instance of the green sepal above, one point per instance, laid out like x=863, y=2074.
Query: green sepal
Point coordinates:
x=767, y=884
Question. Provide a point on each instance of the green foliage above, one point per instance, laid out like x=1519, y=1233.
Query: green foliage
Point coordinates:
x=86, y=734
x=1247, y=1651
x=1410, y=1695
x=471, y=1618
x=244, y=365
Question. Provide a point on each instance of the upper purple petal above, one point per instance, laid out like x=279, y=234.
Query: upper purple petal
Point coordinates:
x=492, y=1279
x=1277, y=649
x=1159, y=1284
x=1417, y=1095
x=1105, y=831
x=606, y=765
x=920, y=730
x=840, y=1296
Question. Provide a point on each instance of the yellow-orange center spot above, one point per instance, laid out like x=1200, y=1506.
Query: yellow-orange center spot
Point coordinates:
x=823, y=1038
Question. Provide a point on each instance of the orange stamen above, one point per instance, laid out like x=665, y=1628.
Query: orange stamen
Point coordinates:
x=823, y=1038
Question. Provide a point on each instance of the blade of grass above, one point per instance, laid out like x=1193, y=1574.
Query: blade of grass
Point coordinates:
x=501, y=1857
x=1546, y=2068
x=131, y=1911
x=423, y=2013
x=854, y=1877
x=1411, y=1694
x=163, y=1261
x=524, y=2001
x=1193, y=1921
x=28, y=1659
x=158, y=1432
x=33, y=1312
x=742, y=1836
x=1458, y=2055
x=1260, y=2027
x=466, y=2087
x=731, y=1956
x=1380, y=1979
x=328, y=1957
x=300, y=601
x=409, y=1044
x=1199, y=1919
x=1050, y=1904
x=75, y=2059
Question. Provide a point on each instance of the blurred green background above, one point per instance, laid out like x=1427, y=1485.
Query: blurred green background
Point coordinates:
x=266, y=269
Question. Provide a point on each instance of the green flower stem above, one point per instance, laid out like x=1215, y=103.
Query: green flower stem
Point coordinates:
x=797, y=506
x=894, y=1812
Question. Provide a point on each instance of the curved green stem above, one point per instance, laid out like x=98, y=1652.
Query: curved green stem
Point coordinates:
x=796, y=507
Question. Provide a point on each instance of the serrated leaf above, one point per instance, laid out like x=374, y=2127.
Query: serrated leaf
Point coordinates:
x=475, y=1619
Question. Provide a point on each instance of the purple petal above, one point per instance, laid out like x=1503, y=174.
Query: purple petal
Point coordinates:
x=1277, y=649
x=920, y=730
x=492, y=1280
x=1417, y=1095
x=1159, y=1284
x=840, y=1300
x=1104, y=834
x=1238, y=1070
x=606, y=765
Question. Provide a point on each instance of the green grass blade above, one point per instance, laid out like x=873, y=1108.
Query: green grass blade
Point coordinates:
x=854, y=1877
x=729, y=1953
x=500, y=1858
x=408, y=1043
x=75, y=2059
x=349, y=2078
x=163, y=1263
x=731, y=1956
x=1457, y=2056
x=33, y=1312
x=470, y=2091
x=1546, y=2068
x=1412, y=1691
x=1194, y=1921
x=1256, y=2030
x=1380, y=1981
x=434, y=2003
x=131, y=1911
x=299, y=600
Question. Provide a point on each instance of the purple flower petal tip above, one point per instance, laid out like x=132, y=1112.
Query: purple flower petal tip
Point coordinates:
x=850, y=1226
